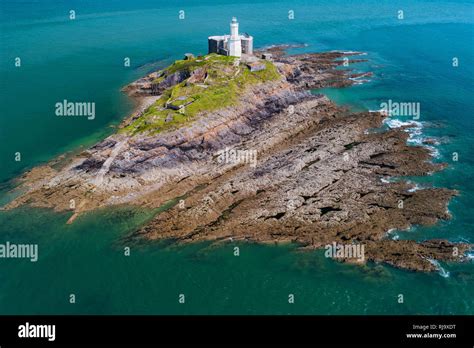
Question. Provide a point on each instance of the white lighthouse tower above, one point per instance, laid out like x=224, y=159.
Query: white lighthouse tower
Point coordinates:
x=235, y=46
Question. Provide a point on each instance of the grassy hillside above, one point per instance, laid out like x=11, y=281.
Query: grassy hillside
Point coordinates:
x=215, y=82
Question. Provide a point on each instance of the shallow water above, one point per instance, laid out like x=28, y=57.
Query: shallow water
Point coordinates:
x=82, y=60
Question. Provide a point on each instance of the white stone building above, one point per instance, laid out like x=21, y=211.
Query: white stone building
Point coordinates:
x=231, y=45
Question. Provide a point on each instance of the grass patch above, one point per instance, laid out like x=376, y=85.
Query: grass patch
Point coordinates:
x=224, y=83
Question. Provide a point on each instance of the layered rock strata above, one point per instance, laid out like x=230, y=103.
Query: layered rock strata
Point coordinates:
x=282, y=165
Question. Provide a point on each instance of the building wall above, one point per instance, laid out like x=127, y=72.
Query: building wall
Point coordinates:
x=247, y=45
x=213, y=45
x=235, y=47
x=219, y=44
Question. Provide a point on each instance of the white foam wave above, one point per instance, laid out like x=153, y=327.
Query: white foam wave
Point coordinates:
x=415, y=130
x=392, y=233
x=434, y=151
x=415, y=188
x=358, y=82
x=442, y=272
x=396, y=123
x=353, y=53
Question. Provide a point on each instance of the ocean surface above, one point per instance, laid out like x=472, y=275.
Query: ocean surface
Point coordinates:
x=83, y=60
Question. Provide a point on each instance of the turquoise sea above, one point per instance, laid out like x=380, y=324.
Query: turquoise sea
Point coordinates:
x=83, y=60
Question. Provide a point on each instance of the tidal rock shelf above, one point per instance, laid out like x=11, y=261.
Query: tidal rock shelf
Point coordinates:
x=319, y=174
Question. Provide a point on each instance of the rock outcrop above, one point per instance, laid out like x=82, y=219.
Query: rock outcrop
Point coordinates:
x=282, y=165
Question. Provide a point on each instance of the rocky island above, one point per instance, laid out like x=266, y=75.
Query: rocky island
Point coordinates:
x=297, y=167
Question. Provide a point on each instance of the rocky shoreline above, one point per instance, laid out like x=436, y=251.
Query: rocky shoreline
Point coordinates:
x=321, y=172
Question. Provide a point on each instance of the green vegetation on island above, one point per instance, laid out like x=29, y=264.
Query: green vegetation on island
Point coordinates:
x=212, y=82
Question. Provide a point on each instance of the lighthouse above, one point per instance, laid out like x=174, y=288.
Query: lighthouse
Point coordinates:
x=235, y=46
